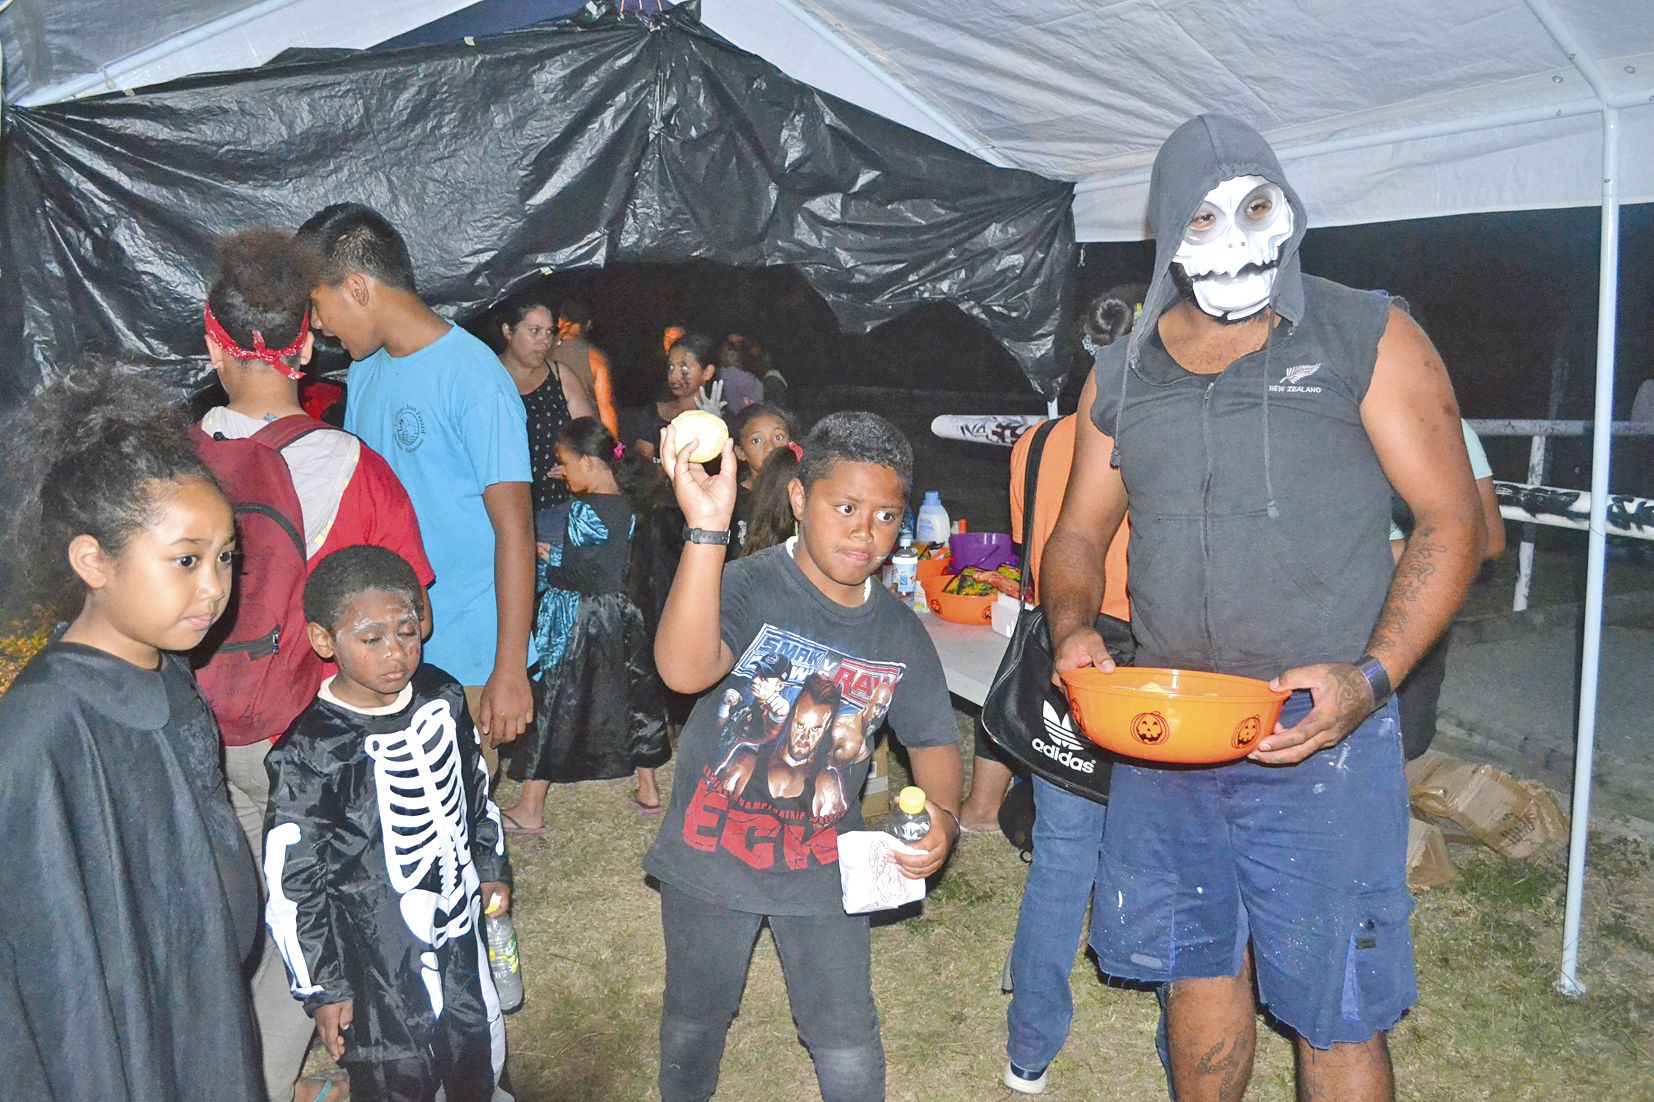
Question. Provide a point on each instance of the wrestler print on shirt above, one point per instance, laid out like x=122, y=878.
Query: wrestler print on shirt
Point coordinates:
x=796, y=726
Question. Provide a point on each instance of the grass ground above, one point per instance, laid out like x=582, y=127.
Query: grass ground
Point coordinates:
x=1489, y=1024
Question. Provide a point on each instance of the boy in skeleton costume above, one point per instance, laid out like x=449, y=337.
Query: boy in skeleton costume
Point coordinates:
x=383, y=846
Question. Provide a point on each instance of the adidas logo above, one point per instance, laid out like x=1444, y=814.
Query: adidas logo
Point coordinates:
x=1064, y=748
x=1060, y=727
x=1295, y=375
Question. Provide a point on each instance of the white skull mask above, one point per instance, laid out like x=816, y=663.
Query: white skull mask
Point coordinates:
x=1231, y=248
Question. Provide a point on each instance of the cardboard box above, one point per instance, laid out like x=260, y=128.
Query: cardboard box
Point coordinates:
x=1519, y=819
x=1428, y=864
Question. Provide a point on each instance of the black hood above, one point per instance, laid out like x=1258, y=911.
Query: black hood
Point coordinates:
x=1199, y=155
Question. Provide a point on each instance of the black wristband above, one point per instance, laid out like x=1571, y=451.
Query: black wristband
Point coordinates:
x=1377, y=677
x=706, y=535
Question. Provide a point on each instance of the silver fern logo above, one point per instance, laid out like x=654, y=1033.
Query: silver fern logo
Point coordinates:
x=1296, y=375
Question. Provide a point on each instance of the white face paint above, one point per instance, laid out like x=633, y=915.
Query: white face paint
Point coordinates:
x=1232, y=246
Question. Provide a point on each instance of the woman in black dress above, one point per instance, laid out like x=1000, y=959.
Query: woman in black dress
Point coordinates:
x=552, y=395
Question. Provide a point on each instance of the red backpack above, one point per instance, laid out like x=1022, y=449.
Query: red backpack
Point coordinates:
x=256, y=667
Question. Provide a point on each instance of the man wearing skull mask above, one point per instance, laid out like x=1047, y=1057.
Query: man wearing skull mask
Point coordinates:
x=1256, y=421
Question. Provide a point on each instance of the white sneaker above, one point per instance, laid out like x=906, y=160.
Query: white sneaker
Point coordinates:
x=1023, y=1082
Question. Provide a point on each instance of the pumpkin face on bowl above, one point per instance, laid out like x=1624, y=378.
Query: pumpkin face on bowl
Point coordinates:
x=1185, y=717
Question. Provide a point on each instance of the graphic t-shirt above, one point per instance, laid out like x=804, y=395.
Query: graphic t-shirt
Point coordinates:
x=773, y=758
x=448, y=420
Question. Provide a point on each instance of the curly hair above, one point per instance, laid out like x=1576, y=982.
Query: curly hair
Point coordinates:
x=1112, y=314
x=263, y=284
x=98, y=452
x=347, y=573
x=858, y=437
x=356, y=238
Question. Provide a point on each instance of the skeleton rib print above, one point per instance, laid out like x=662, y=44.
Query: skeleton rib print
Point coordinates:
x=422, y=802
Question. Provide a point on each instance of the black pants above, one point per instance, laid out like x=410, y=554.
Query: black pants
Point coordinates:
x=826, y=960
x=387, y=1062
x=1418, y=697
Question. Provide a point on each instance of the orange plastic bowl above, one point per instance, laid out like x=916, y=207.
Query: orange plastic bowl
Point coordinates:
x=929, y=568
x=954, y=607
x=1203, y=719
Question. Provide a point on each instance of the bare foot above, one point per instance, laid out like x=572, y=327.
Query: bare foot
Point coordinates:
x=648, y=794
x=518, y=825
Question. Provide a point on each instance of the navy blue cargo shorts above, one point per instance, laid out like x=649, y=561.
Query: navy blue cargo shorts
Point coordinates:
x=1306, y=862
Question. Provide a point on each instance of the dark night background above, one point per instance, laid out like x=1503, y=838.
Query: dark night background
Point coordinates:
x=1507, y=298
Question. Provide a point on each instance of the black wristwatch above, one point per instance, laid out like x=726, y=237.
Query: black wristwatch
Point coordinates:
x=705, y=535
x=1377, y=677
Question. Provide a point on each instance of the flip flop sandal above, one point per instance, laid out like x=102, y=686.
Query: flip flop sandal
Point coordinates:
x=328, y=1083
x=648, y=811
x=514, y=829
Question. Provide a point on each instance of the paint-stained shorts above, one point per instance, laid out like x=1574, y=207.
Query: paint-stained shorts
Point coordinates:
x=1307, y=862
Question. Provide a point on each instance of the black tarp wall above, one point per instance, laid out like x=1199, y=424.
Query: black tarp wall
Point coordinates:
x=555, y=148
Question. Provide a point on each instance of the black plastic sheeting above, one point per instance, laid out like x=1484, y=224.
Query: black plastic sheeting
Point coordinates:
x=556, y=148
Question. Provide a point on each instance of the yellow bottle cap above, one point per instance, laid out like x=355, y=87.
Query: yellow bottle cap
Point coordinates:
x=911, y=800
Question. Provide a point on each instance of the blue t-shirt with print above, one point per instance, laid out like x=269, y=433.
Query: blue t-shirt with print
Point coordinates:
x=448, y=420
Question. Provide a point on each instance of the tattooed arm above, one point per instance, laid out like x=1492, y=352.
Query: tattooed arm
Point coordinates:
x=1412, y=419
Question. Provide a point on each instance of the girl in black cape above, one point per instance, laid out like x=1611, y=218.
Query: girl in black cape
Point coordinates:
x=131, y=900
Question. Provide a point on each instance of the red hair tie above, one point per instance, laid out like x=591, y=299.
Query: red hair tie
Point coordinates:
x=798, y=452
x=620, y=450
x=275, y=357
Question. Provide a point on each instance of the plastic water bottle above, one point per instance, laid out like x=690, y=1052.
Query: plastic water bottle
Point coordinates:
x=904, y=569
x=503, y=961
x=910, y=822
x=933, y=527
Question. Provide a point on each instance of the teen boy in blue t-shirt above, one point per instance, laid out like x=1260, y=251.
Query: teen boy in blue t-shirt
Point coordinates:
x=435, y=402
x=752, y=834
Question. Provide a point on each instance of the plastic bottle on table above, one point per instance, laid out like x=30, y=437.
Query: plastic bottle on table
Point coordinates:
x=933, y=526
x=503, y=960
x=904, y=569
x=910, y=822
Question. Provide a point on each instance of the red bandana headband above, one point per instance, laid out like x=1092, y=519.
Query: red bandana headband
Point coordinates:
x=272, y=356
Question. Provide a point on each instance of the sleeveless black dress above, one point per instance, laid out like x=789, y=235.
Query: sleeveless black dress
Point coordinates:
x=548, y=412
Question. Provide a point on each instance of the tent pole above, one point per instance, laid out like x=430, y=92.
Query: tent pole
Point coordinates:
x=1523, y=116
x=113, y=77
x=1596, y=552
x=108, y=78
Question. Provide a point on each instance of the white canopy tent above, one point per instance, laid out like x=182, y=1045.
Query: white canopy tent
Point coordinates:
x=1407, y=109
